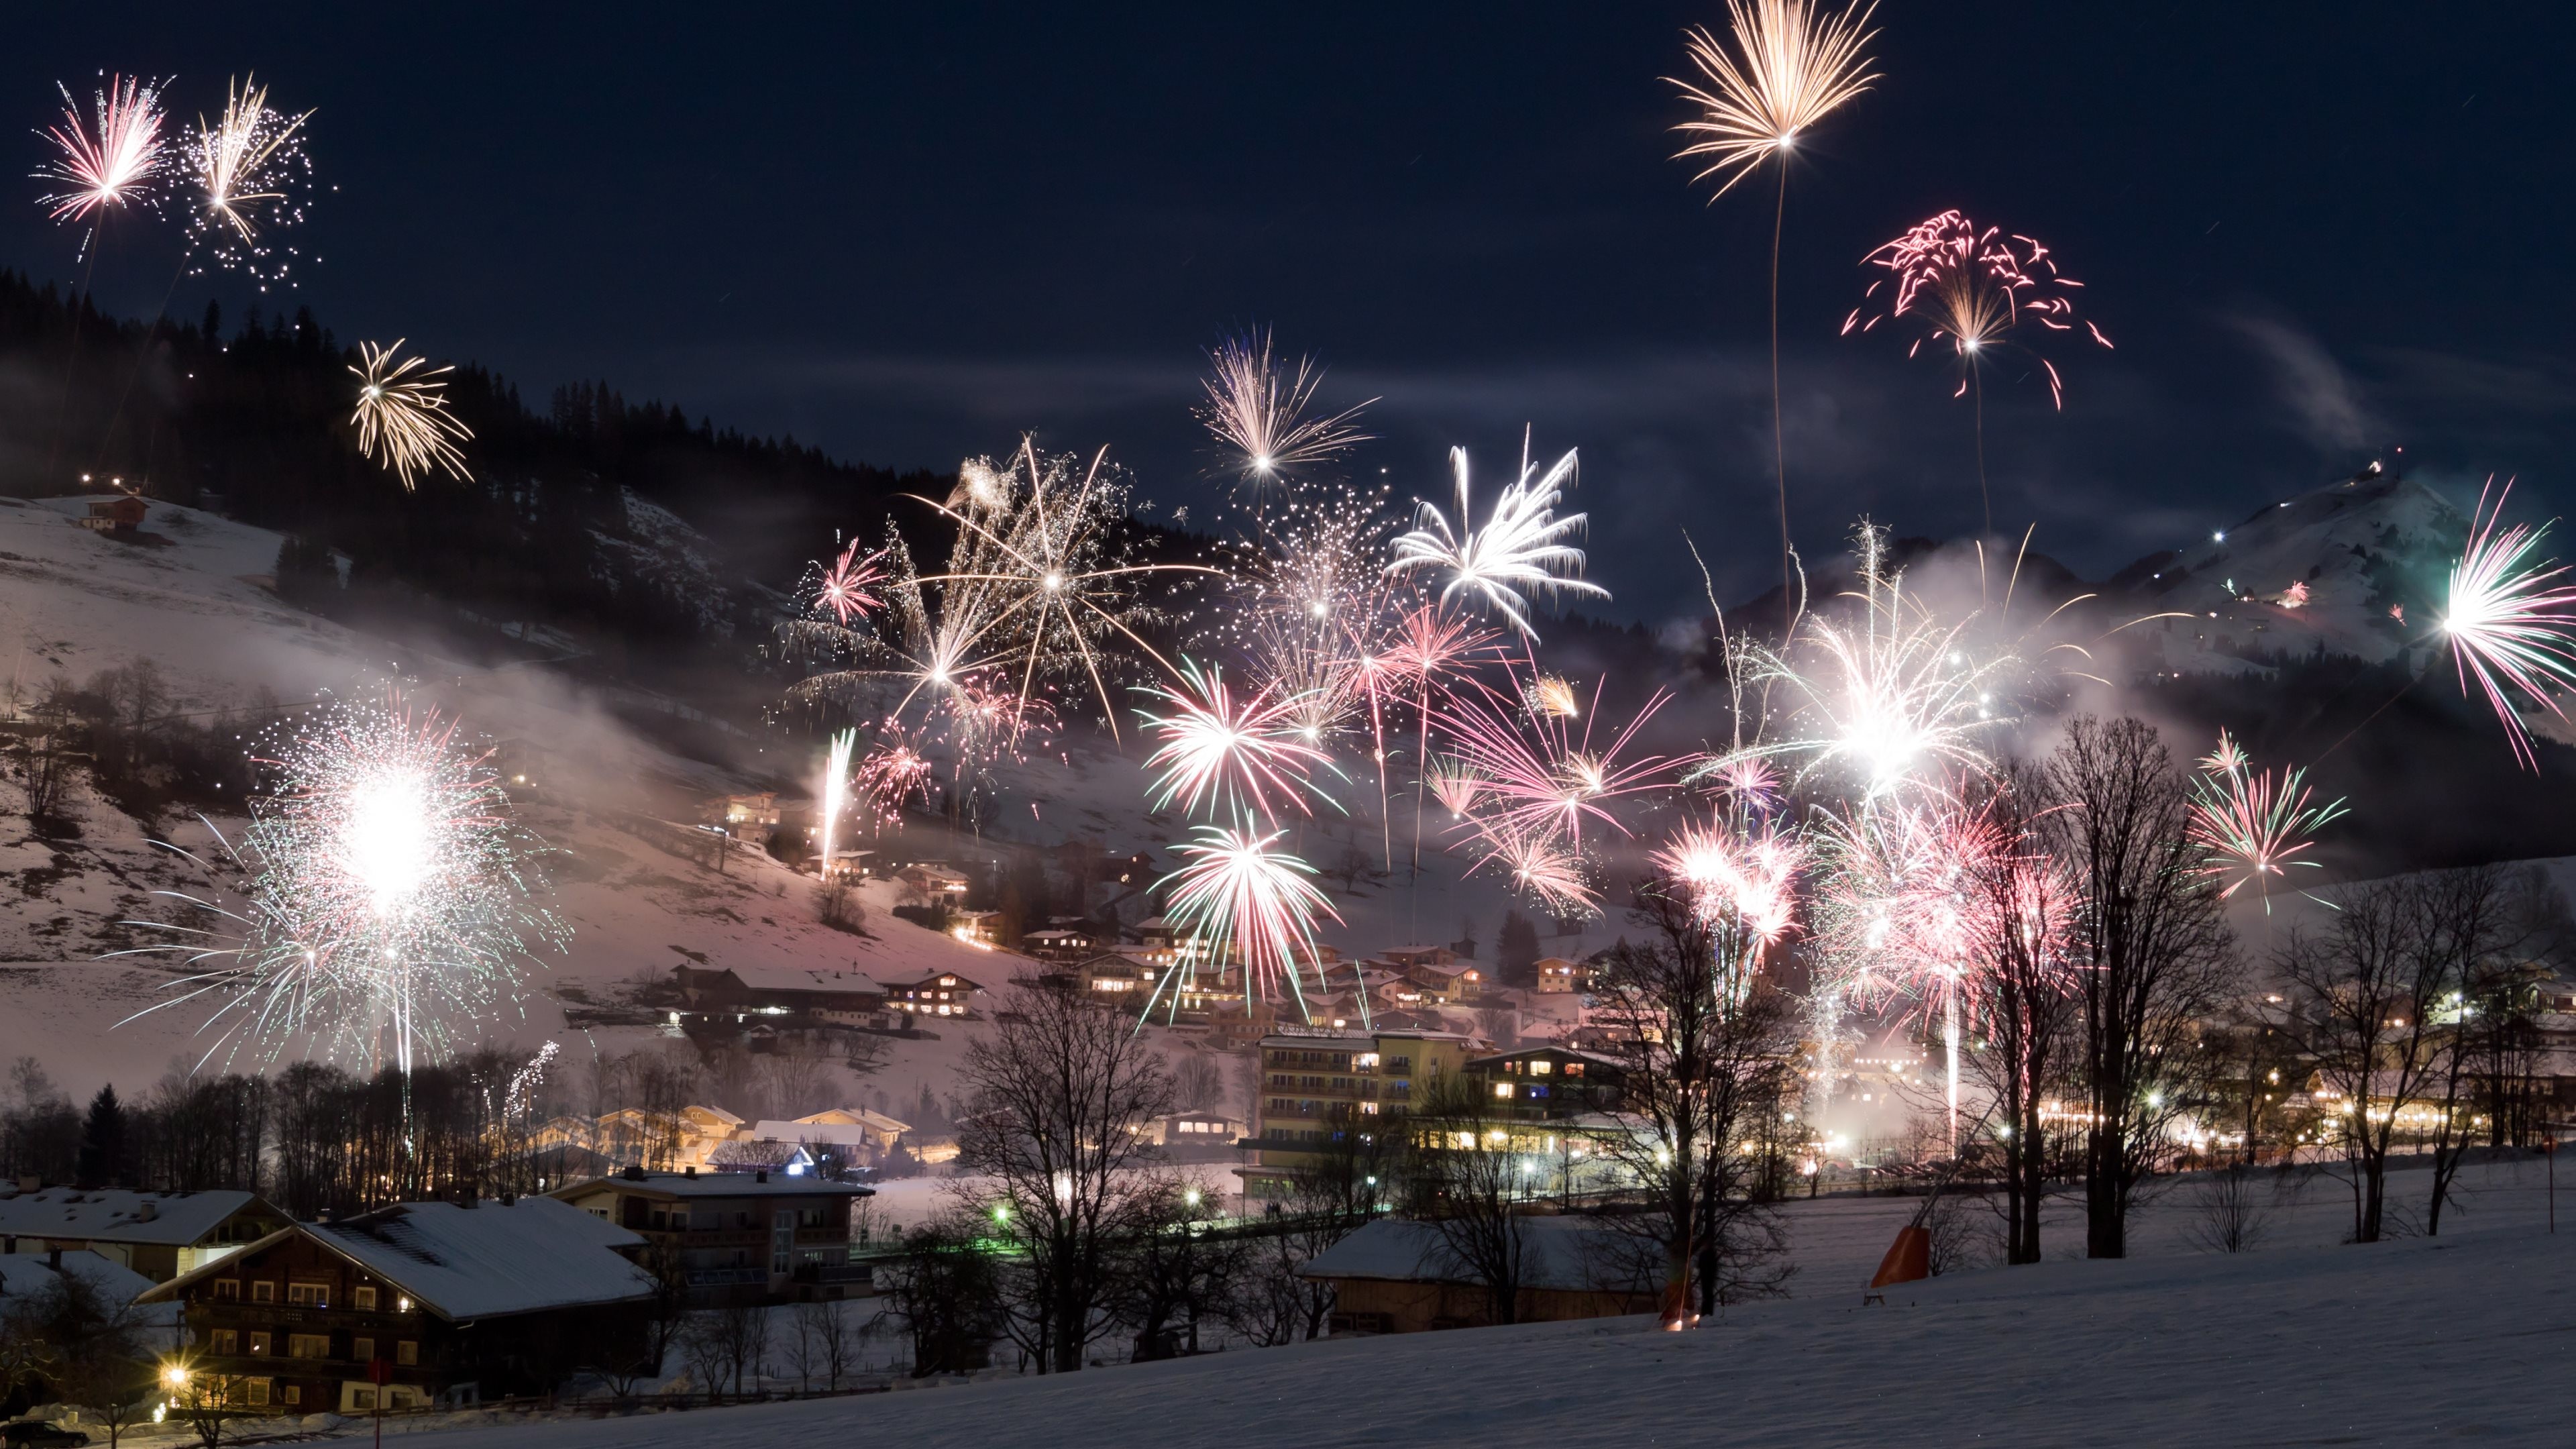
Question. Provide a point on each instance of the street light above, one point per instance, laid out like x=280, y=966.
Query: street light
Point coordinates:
x=174, y=1376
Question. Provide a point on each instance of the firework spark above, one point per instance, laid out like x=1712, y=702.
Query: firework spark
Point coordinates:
x=387, y=894
x=1521, y=547
x=1790, y=67
x=1539, y=864
x=403, y=420
x=1545, y=780
x=2254, y=825
x=1972, y=286
x=1241, y=901
x=1218, y=745
x=2511, y=621
x=1257, y=411
x=1742, y=877
x=111, y=163
x=251, y=172
x=892, y=773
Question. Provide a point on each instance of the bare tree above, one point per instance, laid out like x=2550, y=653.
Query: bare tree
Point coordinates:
x=2151, y=947
x=825, y=1344
x=946, y=1292
x=1473, y=1190
x=1178, y=1270
x=1060, y=1091
x=2365, y=991
x=1196, y=1081
x=2026, y=902
x=728, y=1345
x=2228, y=1210
x=1703, y=1048
x=1343, y=1183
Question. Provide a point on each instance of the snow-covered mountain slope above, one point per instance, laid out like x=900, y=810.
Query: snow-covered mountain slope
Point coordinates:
x=2356, y=568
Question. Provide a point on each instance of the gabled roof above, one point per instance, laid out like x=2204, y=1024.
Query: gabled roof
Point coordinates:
x=774, y=976
x=488, y=1261
x=118, y=1215
x=25, y=1275
x=852, y=1117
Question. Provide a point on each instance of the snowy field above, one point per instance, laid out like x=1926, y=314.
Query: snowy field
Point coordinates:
x=2303, y=1341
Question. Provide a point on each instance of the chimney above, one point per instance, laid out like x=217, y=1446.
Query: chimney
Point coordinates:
x=146, y=1211
x=54, y=1258
x=689, y=1171
x=761, y=1176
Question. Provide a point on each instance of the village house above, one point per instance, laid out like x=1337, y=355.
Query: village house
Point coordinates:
x=1402, y=1277
x=157, y=1234
x=1446, y=983
x=635, y=1136
x=445, y=1302
x=120, y=515
x=757, y=1237
x=1556, y=975
x=943, y=993
x=823, y=993
x=747, y=813
x=1061, y=943
x=836, y=1140
x=934, y=880
x=1198, y=1128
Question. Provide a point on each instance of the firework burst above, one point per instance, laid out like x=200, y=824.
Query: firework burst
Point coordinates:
x=841, y=588
x=387, y=896
x=252, y=175
x=108, y=164
x=1971, y=287
x=893, y=772
x=403, y=420
x=2254, y=825
x=1258, y=413
x=1522, y=547
x=1790, y=67
x=1541, y=779
x=1241, y=901
x=1217, y=745
x=1539, y=864
x=2511, y=621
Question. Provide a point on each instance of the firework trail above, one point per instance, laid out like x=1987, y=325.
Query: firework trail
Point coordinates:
x=111, y=163
x=1552, y=694
x=1973, y=287
x=251, y=172
x=403, y=420
x=387, y=897
x=2254, y=825
x=1238, y=899
x=1521, y=547
x=1790, y=68
x=1257, y=412
x=1216, y=745
x=836, y=792
x=2511, y=621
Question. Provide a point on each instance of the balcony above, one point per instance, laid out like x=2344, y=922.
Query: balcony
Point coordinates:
x=727, y=1277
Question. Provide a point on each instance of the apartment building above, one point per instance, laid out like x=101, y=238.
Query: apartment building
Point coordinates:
x=1317, y=1085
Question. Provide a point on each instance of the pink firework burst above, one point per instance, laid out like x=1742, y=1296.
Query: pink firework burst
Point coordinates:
x=1743, y=879
x=111, y=163
x=2254, y=825
x=892, y=773
x=1541, y=777
x=844, y=587
x=1539, y=864
x=1972, y=286
x=1217, y=745
x=2511, y=621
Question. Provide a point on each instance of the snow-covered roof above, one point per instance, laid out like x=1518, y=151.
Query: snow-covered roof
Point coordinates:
x=487, y=1261
x=713, y=1184
x=779, y=976
x=23, y=1275
x=770, y=1153
x=1567, y=1254
x=117, y=1215
x=822, y=1134
x=854, y=1117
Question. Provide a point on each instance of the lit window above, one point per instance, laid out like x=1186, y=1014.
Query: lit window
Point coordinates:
x=364, y=1297
x=225, y=1341
x=258, y=1342
x=228, y=1288
x=1503, y=1089
x=308, y=1345
x=362, y=1349
x=263, y=1291
x=309, y=1295
x=406, y=1352
x=1541, y=1069
x=259, y=1393
x=293, y=1395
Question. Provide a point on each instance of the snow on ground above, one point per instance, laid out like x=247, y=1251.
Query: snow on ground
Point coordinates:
x=2306, y=1341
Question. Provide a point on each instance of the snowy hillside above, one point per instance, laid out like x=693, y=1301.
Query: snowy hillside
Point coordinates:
x=2356, y=568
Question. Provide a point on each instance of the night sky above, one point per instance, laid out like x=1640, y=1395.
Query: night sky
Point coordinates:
x=907, y=233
